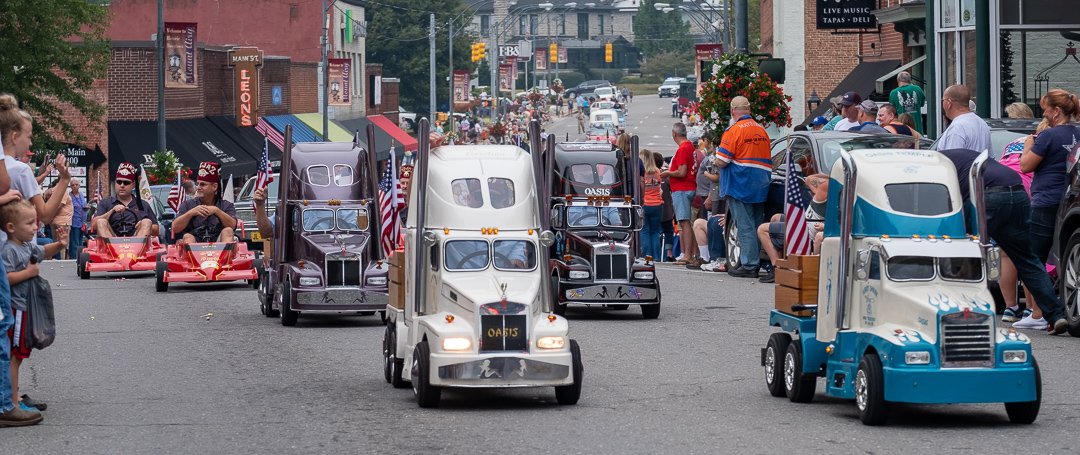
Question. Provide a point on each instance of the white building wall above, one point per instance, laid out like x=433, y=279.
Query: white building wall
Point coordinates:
x=789, y=43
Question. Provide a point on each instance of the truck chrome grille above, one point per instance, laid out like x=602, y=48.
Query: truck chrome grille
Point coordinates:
x=966, y=340
x=342, y=272
x=503, y=333
x=612, y=267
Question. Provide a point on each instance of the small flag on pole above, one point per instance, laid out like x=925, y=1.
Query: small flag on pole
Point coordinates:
x=176, y=193
x=797, y=239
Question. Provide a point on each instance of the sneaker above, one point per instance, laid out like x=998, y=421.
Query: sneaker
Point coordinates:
x=19, y=418
x=770, y=277
x=744, y=272
x=1058, y=327
x=1027, y=312
x=32, y=402
x=1011, y=314
x=719, y=265
x=1031, y=323
x=28, y=408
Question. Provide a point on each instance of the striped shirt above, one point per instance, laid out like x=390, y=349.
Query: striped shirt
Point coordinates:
x=745, y=147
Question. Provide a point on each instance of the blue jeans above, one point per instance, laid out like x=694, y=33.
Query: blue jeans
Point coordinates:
x=748, y=216
x=650, y=232
x=715, y=235
x=668, y=229
x=1042, y=230
x=75, y=242
x=6, y=403
x=1007, y=212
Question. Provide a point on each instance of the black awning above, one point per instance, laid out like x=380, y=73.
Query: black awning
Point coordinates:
x=248, y=138
x=192, y=140
x=383, y=140
x=860, y=80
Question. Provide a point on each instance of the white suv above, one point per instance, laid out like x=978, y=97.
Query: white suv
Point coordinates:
x=670, y=87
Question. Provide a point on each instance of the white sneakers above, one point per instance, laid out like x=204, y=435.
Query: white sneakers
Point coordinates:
x=1031, y=323
x=714, y=265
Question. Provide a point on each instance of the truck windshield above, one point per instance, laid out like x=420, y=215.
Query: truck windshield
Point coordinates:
x=318, y=220
x=911, y=268
x=515, y=255
x=352, y=219
x=588, y=216
x=962, y=269
x=466, y=255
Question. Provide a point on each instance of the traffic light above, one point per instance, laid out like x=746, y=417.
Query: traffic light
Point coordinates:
x=553, y=53
x=473, y=47
x=478, y=50
x=607, y=53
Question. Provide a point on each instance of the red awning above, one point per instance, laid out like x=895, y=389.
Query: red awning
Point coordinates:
x=407, y=142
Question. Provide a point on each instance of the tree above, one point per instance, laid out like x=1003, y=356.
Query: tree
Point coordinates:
x=52, y=52
x=400, y=44
x=656, y=31
x=668, y=64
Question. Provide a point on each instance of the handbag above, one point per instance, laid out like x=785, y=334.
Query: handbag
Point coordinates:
x=42, y=322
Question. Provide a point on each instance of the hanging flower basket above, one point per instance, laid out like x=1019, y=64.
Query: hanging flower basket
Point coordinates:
x=736, y=75
x=557, y=86
x=162, y=168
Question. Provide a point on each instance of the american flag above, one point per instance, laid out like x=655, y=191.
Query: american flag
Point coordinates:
x=265, y=174
x=796, y=231
x=97, y=191
x=176, y=193
x=389, y=200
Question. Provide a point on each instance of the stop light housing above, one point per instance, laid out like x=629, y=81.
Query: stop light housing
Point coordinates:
x=553, y=53
x=472, y=48
x=481, y=50
x=608, y=55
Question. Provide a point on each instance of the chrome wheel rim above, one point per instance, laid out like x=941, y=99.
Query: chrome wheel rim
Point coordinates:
x=789, y=371
x=861, y=392
x=733, y=247
x=770, y=365
x=1072, y=265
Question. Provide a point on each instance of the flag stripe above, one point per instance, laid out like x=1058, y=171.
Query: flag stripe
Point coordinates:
x=797, y=239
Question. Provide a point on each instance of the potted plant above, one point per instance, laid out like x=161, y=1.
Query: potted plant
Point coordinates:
x=163, y=166
x=736, y=75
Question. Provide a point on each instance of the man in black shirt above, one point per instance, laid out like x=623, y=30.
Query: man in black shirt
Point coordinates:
x=124, y=214
x=1007, y=212
x=206, y=217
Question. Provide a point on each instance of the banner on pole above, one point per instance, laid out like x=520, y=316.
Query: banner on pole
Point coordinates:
x=562, y=54
x=505, y=70
x=541, y=59
x=180, y=55
x=340, y=90
x=461, y=86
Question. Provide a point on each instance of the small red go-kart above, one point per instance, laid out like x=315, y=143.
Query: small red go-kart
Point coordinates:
x=118, y=254
x=205, y=262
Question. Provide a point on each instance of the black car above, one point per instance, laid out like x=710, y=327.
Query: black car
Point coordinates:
x=815, y=152
x=586, y=88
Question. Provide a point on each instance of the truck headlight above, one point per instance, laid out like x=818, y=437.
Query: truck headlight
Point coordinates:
x=579, y=274
x=309, y=281
x=1017, y=356
x=377, y=281
x=917, y=357
x=456, y=344
x=550, y=342
x=643, y=275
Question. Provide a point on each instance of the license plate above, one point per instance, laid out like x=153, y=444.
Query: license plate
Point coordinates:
x=256, y=236
x=503, y=333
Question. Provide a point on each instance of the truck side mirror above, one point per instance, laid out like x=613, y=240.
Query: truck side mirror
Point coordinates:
x=992, y=259
x=557, y=217
x=862, y=265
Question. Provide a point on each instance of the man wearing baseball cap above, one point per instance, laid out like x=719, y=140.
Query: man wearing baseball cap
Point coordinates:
x=123, y=214
x=868, y=118
x=818, y=123
x=849, y=109
x=206, y=217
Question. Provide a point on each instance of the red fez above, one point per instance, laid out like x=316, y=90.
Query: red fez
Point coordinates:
x=209, y=171
x=126, y=171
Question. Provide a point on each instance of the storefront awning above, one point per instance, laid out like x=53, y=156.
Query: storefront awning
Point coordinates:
x=337, y=133
x=879, y=85
x=860, y=80
x=300, y=131
x=399, y=135
x=192, y=140
x=386, y=135
x=248, y=138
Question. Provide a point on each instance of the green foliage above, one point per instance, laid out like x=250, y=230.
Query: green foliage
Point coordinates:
x=571, y=79
x=668, y=64
x=656, y=32
x=163, y=166
x=613, y=75
x=736, y=75
x=400, y=28
x=51, y=52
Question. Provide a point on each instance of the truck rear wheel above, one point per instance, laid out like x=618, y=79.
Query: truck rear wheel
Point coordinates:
x=798, y=387
x=1026, y=412
x=1069, y=283
x=570, y=394
x=427, y=395
x=870, y=391
x=288, y=315
x=774, y=366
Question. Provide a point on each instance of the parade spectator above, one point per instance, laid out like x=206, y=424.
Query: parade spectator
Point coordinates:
x=61, y=225
x=653, y=205
x=908, y=121
x=189, y=189
x=675, y=106
x=21, y=255
x=818, y=123
x=967, y=131
x=771, y=234
x=837, y=113
x=1010, y=158
x=710, y=230
x=78, y=220
x=465, y=128
x=1046, y=156
x=22, y=177
x=667, y=218
x=206, y=217
x=907, y=98
x=124, y=214
x=887, y=119
x=849, y=110
x=683, y=184
x=580, y=122
x=43, y=171
x=1007, y=220
x=1019, y=110
x=868, y=111
x=744, y=181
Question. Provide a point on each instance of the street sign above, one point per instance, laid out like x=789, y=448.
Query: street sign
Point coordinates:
x=508, y=51
x=525, y=50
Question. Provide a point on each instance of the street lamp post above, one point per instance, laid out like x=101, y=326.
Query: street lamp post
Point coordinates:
x=702, y=17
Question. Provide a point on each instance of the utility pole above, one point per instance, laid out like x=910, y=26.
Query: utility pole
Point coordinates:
x=325, y=74
x=431, y=64
x=450, y=74
x=741, y=24
x=161, y=75
x=493, y=62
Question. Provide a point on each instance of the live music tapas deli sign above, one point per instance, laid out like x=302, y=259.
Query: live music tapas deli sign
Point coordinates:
x=246, y=62
x=845, y=14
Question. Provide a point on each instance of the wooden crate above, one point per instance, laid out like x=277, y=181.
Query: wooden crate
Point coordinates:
x=787, y=297
x=397, y=295
x=397, y=257
x=797, y=279
x=807, y=264
x=796, y=283
x=395, y=273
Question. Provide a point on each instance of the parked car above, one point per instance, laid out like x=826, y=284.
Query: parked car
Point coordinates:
x=814, y=152
x=586, y=87
x=670, y=87
x=605, y=93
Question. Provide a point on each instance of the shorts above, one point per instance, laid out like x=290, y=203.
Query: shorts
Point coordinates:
x=776, y=234
x=19, y=335
x=681, y=201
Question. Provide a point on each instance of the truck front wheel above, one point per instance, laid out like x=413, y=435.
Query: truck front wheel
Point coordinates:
x=798, y=387
x=569, y=394
x=427, y=395
x=1026, y=412
x=870, y=391
x=774, y=366
x=1070, y=283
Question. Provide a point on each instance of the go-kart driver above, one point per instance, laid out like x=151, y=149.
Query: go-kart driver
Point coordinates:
x=206, y=217
x=123, y=215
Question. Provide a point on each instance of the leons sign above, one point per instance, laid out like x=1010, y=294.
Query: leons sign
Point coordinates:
x=246, y=62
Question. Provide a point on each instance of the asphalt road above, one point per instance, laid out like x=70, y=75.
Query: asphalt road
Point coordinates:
x=199, y=370
x=649, y=117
